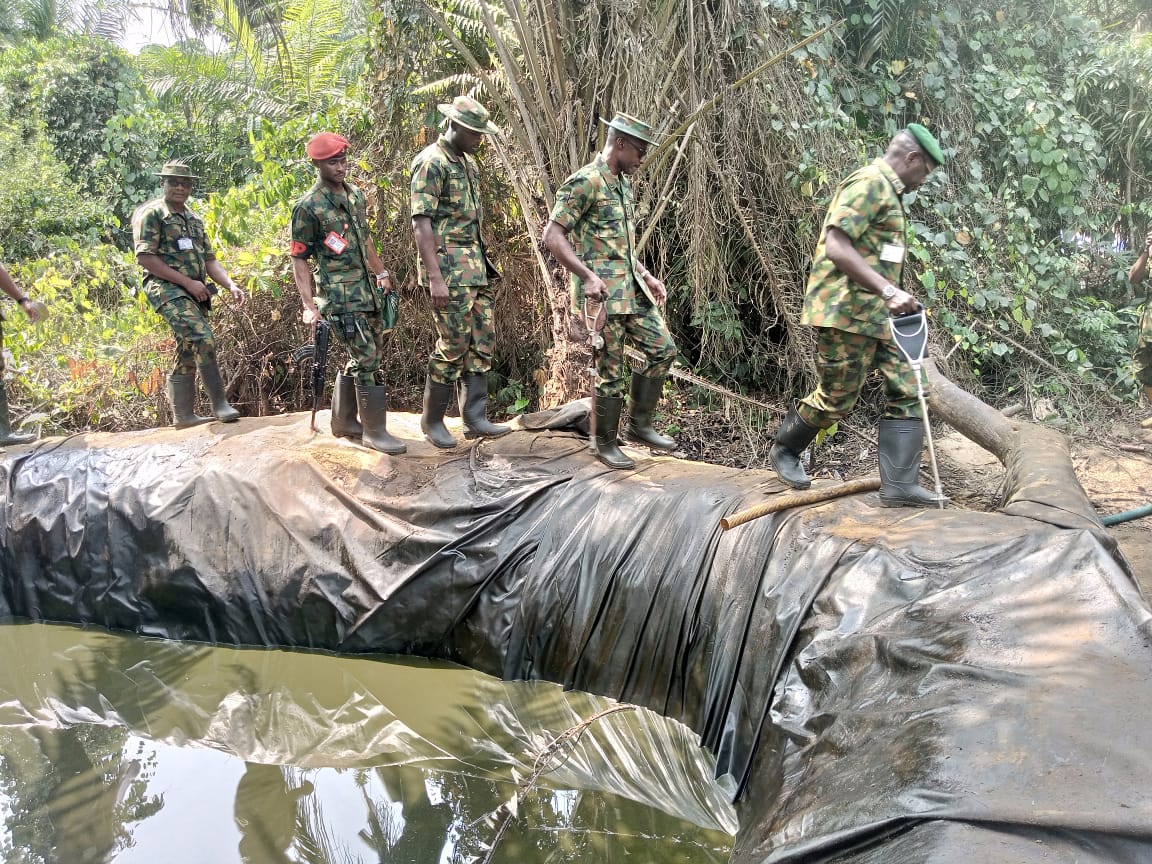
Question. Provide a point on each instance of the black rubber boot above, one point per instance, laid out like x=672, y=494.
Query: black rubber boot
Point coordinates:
x=645, y=394
x=436, y=399
x=344, y=401
x=182, y=398
x=900, y=444
x=7, y=436
x=214, y=387
x=792, y=438
x=372, y=400
x=474, y=408
x=607, y=423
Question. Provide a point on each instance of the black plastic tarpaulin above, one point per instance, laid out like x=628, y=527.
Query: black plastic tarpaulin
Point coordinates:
x=891, y=685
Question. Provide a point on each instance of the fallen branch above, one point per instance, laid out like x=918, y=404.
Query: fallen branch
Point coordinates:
x=799, y=499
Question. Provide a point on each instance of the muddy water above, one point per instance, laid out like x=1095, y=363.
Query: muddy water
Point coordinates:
x=124, y=749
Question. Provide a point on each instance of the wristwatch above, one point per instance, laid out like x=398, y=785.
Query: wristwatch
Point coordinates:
x=888, y=291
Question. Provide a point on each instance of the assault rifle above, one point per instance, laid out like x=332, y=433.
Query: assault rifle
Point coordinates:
x=319, y=366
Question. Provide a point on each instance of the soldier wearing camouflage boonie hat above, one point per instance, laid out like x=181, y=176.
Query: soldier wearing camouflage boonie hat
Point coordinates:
x=453, y=264
x=592, y=233
x=172, y=246
x=341, y=279
x=853, y=288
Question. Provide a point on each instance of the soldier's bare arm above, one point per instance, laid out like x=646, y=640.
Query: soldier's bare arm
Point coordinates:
x=220, y=276
x=426, y=246
x=556, y=239
x=302, y=275
x=381, y=275
x=155, y=265
x=8, y=285
x=1140, y=268
x=851, y=263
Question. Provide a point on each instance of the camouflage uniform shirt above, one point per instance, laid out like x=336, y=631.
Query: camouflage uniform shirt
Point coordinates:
x=322, y=223
x=868, y=208
x=595, y=208
x=446, y=189
x=157, y=230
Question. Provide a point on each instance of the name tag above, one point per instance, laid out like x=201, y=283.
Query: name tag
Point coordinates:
x=892, y=253
x=184, y=243
x=335, y=242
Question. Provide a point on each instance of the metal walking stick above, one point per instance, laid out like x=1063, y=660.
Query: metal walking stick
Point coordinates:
x=910, y=333
x=595, y=316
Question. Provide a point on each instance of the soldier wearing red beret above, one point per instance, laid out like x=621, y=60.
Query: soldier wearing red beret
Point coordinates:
x=344, y=283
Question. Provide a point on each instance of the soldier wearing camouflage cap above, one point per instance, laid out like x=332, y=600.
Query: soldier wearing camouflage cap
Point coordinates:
x=592, y=233
x=34, y=310
x=172, y=247
x=447, y=220
x=853, y=288
x=330, y=229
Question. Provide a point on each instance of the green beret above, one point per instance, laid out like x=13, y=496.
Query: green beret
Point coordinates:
x=927, y=143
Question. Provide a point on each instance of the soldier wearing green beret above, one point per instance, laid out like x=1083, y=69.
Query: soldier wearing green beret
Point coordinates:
x=33, y=310
x=592, y=233
x=853, y=288
x=447, y=220
x=330, y=229
x=172, y=246
x=1143, y=354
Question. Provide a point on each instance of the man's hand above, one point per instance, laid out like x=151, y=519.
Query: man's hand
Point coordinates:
x=438, y=288
x=32, y=309
x=1148, y=243
x=198, y=290
x=658, y=288
x=901, y=303
x=594, y=288
x=310, y=315
x=238, y=294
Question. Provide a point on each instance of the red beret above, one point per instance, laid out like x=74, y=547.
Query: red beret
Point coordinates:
x=326, y=145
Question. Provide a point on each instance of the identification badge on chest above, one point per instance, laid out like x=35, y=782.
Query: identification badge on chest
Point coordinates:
x=335, y=242
x=184, y=244
x=892, y=253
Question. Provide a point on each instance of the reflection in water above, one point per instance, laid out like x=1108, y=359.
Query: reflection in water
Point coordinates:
x=115, y=748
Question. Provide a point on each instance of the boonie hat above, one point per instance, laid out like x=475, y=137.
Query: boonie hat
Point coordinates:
x=632, y=126
x=470, y=114
x=325, y=145
x=176, y=168
x=926, y=141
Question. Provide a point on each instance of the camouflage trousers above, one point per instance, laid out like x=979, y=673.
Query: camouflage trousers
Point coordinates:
x=648, y=333
x=195, y=344
x=466, y=334
x=1142, y=356
x=843, y=362
x=362, y=333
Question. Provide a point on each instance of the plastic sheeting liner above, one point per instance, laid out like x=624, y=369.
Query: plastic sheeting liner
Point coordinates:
x=874, y=674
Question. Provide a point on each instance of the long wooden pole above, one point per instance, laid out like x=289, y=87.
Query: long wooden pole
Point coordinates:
x=798, y=499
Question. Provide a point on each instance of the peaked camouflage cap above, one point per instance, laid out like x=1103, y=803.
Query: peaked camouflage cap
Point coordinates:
x=470, y=114
x=177, y=168
x=633, y=126
x=927, y=142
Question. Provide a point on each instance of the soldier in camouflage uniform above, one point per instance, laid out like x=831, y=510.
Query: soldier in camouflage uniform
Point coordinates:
x=591, y=232
x=172, y=247
x=33, y=310
x=853, y=287
x=330, y=227
x=1143, y=355
x=447, y=219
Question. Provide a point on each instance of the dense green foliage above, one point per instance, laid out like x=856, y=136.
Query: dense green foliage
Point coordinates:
x=1020, y=246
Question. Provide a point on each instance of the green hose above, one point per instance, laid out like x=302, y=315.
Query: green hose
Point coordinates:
x=1128, y=515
